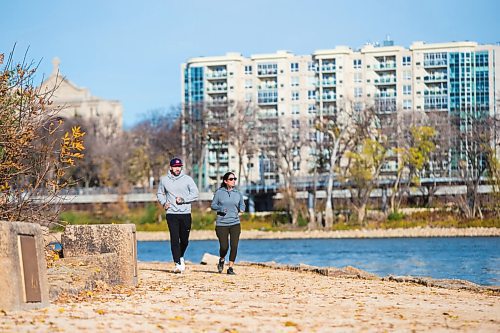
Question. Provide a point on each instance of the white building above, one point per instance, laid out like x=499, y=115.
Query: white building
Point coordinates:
x=78, y=102
x=289, y=91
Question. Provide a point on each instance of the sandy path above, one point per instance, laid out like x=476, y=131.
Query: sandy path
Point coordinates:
x=261, y=299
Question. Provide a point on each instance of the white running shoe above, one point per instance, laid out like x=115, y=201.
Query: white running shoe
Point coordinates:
x=178, y=268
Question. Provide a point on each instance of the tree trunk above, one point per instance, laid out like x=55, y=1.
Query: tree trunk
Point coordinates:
x=329, y=197
x=361, y=210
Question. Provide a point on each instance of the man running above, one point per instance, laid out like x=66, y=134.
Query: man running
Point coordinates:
x=176, y=192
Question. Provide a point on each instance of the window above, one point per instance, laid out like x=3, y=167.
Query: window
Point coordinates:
x=295, y=95
x=407, y=61
x=406, y=90
x=248, y=84
x=358, y=92
x=294, y=67
x=356, y=63
x=295, y=81
x=295, y=123
x=358, y=78
x=311, y=108
x=248, y=69
x=407, y=104
x=358, y=106
x=295, y=137
x=311, y=94
x=296, y=165
x=267, y=69
x=312, y=66
x=295, y=109
x=296, y=151
x=248, y=97
x=407, y=75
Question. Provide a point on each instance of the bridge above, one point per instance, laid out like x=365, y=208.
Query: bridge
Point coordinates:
x=303, y=185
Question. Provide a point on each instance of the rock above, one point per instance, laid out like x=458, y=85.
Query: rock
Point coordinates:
x=209, y=259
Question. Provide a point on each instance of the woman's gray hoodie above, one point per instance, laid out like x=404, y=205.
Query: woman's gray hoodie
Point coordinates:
x=227, y=204
x=171, y=187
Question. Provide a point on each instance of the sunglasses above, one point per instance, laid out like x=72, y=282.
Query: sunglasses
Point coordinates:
x=232, y=178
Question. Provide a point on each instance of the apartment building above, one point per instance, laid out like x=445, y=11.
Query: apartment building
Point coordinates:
x=289, y=91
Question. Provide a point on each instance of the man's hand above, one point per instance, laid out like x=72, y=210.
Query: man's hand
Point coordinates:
x=179, y=200
x=166, y=205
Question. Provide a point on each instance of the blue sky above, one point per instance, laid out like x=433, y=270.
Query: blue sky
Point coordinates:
x=132, y=50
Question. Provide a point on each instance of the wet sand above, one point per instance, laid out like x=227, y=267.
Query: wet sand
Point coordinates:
x=261, y=299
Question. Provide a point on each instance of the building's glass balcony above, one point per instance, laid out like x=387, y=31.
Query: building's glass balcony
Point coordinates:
x=269, y=115
x=385, y=66
x=442, y=92
x=217, y=101
x=385, y=95
x=436, y=78
x=389, y=80
x=267, y=72
x=267, y=101
x=216, y=75
x=217, y=89
x=443, y=106
x=268, y=86
x=436, y=63
x=328, y=83
x=328, y=68
x=325, y=97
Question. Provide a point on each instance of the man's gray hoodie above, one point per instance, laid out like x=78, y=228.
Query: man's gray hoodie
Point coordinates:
x=228, y=204
x=171, y=187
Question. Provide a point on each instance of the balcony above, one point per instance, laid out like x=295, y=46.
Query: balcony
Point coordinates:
x=269, y=115
x=436, y=63
x=329, y=97
x=328, y=68
x=216, y=75
x=382, y=95
x=217, y=89
x=385, y=80
x=436, y=78
x=441, y=92
x=267, y=72
x=217, y=101
x=385, y=66
x=267, y=97
x=329, y=82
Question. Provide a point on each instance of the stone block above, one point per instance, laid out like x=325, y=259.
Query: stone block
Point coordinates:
x=209, y=259
x=76, y=274
x=88, y=240
x=23, y=269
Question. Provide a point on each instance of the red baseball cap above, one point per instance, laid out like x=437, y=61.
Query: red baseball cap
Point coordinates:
x=176, y=162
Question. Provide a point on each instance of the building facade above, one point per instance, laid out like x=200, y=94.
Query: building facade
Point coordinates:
x=288, y=92
x=77, y=102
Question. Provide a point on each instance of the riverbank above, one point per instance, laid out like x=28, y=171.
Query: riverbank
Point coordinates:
x=261, y=299
x=377, y=233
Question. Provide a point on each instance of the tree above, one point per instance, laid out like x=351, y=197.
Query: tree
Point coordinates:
x=476, y=149
x=290, y=144
x=35, y=155
x=415, y=143
x=155, y=140
x=242, y=124
x=369, y=152
x=335, y=134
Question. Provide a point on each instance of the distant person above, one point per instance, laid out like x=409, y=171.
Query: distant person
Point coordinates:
x=176, y=192
x=228, y=203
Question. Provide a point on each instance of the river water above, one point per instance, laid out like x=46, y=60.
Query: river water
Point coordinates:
x=476, y=259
